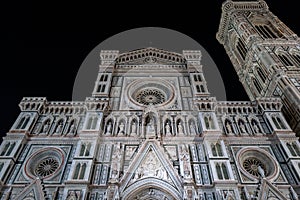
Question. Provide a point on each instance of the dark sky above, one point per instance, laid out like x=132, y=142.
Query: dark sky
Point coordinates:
x=44, y=43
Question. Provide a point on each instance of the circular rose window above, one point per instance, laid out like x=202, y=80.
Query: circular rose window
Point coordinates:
x=257, y=163
x=44, y=163
x=154, y=91
x=149, y=96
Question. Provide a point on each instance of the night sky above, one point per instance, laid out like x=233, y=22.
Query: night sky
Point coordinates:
x=44, y=43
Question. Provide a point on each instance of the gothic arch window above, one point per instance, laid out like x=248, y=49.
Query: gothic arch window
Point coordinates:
x=8, y=148
x=293, y=148
x=296, y=57
x=265, y=31
x=257, y=85
x=222, y=171
x=241, y=48
x=23, y=122
x=209, y=123
x=278, y=122
x=198, y=88
x=92, y=122
x=285, y=60
x=79, y=171
x=261, y=74
x=216, y=149
x=85, y=149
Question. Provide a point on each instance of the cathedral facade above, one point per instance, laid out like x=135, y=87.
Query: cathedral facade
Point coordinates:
x=151, y=129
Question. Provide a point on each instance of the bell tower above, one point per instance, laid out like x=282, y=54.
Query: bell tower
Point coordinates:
x=265, y=54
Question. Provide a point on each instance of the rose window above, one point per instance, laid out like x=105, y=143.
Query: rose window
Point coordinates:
x=151, y=91
x=257, y=163
x=251, y=165
x=45, y=163
x=47, y=167
x=150, y=96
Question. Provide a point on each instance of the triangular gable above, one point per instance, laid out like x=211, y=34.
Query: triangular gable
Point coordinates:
x=268, y=190
x=151, y=163
x=33, y=190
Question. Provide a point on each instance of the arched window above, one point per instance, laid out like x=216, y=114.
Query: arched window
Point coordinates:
x=8, y=148
x=261, y=74
x=241, y=48
x=3, y=152
x=79, y=171
x=82, y=171
x=274, y=119
x=23, y=122
x=219, y=171
x=85, y=149
x=257, y=86
x=291, y=149
x=12, y=146
x=216, y=149
x=225, y=172
x=297, y=58
x=76, y=172
x=198, y=88
x=222, y=171
x=265, y=31
x=296, y=148
x=285, y=60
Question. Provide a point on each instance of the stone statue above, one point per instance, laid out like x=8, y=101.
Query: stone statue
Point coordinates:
x=108, y=128
x=229, y=128
x=180, y=129
x=59, y=127
x=168, y=128
x=192, y=128
x=72, y=128
x=121, y=128
x=150, y=126
x=133, y=128
x=242, y=127
x=46, y=127
x=255, y=127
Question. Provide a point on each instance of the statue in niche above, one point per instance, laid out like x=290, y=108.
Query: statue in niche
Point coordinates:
x=108, y=128
x=116, y=161
x=168, y=128
x=255, y=127
x=72, y=127
x=180, y=128
x=228, y=127
x=121, y=128
x=185, y=158
x=150, y=127
x=46, y=127
x=133, y=128
x=59, y=127
x=192, y=128
x=242, y=127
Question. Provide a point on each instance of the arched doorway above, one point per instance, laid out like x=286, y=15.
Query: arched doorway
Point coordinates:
x=151, y=189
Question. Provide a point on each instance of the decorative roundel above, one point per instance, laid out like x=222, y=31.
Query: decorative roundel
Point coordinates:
x=150, y=96
x=251, y=165
x=147, y=92
x=44, y=163
x=255, y=163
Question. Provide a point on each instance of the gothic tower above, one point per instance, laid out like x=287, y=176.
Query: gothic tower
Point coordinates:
x=265, y=54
